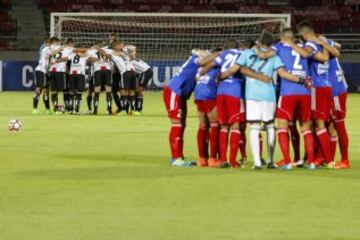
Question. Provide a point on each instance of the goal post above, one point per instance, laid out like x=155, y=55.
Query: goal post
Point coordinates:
x=164, y=40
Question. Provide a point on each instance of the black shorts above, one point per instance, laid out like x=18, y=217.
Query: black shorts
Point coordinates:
x=41, y=79
x=102, y=78
x=145, y=77
x=67, y=80
x=128, y=80
x=57, y=81
x=77, y=82
x=116, y=82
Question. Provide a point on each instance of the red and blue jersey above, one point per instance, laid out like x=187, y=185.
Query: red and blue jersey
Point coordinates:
x=336, y=74
x=319, y=71
x=206, y=86
x=230, y=86
x=294, y=64
x=183, y=83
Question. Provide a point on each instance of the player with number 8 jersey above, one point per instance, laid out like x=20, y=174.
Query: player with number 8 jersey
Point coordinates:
x=77, y=80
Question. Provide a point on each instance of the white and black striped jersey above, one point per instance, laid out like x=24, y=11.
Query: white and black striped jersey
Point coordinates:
x=44, y=61
x=61, y=66
x=140, y=66
x=103, y=63
x=78, y=64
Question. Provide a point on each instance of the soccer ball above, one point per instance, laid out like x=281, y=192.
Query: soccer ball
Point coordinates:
x=14, y=125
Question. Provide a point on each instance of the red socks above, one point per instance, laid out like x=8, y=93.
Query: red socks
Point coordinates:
x=223, y=144
x=309, y=146
x=175, y=140
x=235, y=137
x=214, y=140
x=333, y=142
x=201, y=142
x=343, y=139
x=295, y=141
x=283, y=138
x=243, y=145
x=324, y=140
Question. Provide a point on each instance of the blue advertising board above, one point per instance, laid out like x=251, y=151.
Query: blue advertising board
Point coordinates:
x=19, y=75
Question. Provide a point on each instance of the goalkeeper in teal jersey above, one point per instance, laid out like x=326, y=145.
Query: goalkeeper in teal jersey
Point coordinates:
x=260, y=95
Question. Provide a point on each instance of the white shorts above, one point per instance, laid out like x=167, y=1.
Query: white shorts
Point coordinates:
x=260, y=111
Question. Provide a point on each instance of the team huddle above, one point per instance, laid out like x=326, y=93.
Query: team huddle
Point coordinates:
x=240, y=83
x=113, y=69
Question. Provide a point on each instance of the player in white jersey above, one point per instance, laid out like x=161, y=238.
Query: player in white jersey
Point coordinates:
x=70, y=43
x=41, y=79
x=128, y=79
x=90, y=82
x=77, y=80
x=58, y=67
x=144, y=74
x=102, y=75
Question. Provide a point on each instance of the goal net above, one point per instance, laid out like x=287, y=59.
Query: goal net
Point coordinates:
x=164, y=40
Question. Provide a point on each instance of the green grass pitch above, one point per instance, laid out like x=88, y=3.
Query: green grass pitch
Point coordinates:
x=107, y=178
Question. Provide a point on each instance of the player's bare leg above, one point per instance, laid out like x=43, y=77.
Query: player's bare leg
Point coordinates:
x=108, y=100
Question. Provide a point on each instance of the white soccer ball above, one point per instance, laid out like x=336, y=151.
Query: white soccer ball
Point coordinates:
x=14, y=125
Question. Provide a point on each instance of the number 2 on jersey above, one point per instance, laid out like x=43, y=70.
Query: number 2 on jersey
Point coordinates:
x=297, y=64
x=229, y=61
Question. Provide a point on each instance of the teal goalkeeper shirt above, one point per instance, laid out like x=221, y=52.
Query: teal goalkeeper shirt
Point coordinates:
x=255, y=89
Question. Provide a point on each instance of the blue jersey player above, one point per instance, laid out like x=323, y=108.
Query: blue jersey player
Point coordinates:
x=321, y=94
x=205, y=100
x=260, y=95
x=175, y=96
x=295, y=99
x=230, y=105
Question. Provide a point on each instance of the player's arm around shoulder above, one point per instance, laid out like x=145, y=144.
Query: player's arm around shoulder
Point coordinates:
x=265, y=54
x=230, y=71
x=330, y=46
x=213, y=62
x=252, y=74
x=208, y=58
x=304, y=51
x=313, y=47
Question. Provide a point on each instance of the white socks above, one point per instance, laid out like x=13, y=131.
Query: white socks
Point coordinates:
x=271, y=141
x=254, y=143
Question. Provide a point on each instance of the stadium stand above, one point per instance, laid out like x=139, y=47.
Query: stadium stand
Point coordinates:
x=340, y=17
x=7, y=25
